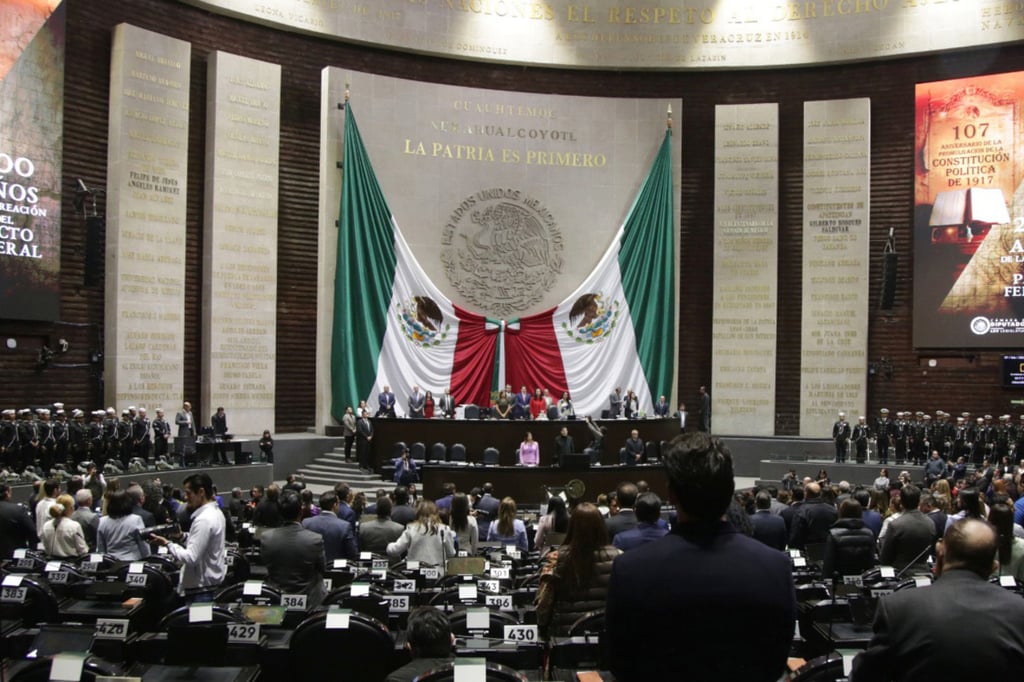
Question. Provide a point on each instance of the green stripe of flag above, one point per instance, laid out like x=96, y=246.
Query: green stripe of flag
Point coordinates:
x=646, y=263
x=365, y=275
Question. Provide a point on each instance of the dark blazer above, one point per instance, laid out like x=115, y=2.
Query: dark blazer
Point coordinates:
x=376, y=534
x=489, y=503
x=732, y=581
x=624, y=520
x=294, y=557
x=339, y=539
x=769, y=529
x=17, y=531
x=403, y=514
x=811, y=523
x=960, y=628
x=908, y=536
x=641, y=535
x=849, y=550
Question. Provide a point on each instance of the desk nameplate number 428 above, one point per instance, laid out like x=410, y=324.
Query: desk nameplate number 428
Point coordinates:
x=111, y=628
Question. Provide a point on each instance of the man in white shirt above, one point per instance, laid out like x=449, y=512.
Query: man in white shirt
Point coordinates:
x=203, y=559
x=51, y=488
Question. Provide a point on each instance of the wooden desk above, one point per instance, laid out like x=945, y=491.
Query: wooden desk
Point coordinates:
x=527, y=484
x=506, y=435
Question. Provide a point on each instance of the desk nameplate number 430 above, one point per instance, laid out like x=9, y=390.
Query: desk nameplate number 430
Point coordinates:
x=521, y=633
x=111, y=628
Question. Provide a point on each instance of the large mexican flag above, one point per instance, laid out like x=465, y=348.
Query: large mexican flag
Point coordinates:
x=393, y=327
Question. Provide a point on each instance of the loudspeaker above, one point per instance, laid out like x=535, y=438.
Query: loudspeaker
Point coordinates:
x=889, y=266
x=95, y=250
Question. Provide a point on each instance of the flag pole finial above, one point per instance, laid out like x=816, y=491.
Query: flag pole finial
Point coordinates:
x=347, y=84
x=668, y=120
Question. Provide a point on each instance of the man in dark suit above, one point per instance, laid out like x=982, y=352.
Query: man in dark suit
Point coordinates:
x=338, y=535
x=648, y=513
x=293, y=555
x=376, y=534
x=916, y=640
x=661, y=408
x=429, y=641
x=364, y=437
x=626, y=518
x=521, y=404
x=768, y=528
x=701, y=587
x=909, y=535
x=416, y=403
x=185, y=441
x=17, y=531
x=446, y=404
x=344, y=511
x=634, y=450
x=812, y=520
x=402, y=512
x=385, y=403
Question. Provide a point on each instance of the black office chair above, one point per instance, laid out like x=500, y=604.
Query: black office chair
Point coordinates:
x=827, y=668
x=197, y=643
x=652, y=451
x=491, y=456
x=38, y=670
x=235, y=594
x=471, y=412
x=418, y=451
x=438, y=452
x=366, y=647
x=39, y=606
x=397, y=449
x=458, y=453
x=591, y=623
x=496, y=627
x=495, y=673
x=553, y=412
x=239, y=569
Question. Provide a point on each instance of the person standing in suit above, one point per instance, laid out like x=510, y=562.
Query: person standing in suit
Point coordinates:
x=293, y=555
x=386, y=403
x=185, y=441
x=615, y=403
x=625, y=496
x=364, y=438
x=564, y=445
x=909, y=535
x=18, y=531
x=416, y=403
x=841, y=437
x=661, y=408
x=339, y=536
x=768, y=528
x=915, y=640
x=376, y=534
x=521, y=404
x=701, y=586
x=648, y=513
x=348, y=423
x=446, y=404
x=704, y=418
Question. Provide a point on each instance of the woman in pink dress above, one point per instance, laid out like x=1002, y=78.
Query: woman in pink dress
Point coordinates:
x=529, y=451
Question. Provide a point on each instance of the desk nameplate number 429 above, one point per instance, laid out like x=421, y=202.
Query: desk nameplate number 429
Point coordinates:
x=243, y=633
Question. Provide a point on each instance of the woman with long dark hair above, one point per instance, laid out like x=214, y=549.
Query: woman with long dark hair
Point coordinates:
x=555, y=521
x=1011, y=549
x=574, y=580
x=464, y=524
